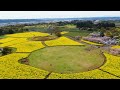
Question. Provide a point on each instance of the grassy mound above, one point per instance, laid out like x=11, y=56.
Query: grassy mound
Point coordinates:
x=66, y=59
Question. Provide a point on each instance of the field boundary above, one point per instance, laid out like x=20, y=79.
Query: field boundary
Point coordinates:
x=109, y=73
x=46, y=77
x=43, y=42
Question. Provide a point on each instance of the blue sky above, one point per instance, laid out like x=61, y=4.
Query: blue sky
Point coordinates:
x=55, y=14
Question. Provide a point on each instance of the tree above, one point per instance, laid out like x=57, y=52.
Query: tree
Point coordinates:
x=58, y=34
x=1, y=32
x=113, y=32
x=105, y=24
x=102, y=34
x=109, y=34
x=6, y=51
x=11, y=31
x=84, y=24
x=50, y=29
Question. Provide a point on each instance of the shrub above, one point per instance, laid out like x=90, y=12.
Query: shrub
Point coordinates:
x=11, y=31
x=58, y=34
x=77, y=37
x=102, y=34
x=118, y=42
x=6, y=51
x=24, y=61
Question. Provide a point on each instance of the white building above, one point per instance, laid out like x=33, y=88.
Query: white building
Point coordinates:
x=96, y=21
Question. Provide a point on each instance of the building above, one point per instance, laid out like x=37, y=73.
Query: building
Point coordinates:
x=96, y=21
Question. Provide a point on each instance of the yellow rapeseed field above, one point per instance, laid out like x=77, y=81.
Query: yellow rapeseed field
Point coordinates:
x=28, y=46
x=28, y=34
x=112, y=64
x=94, y=74
x=4, y=40
x=91, y=42
x=9, y=66
x=62, y=41
x=11, y=69
x=116, y=47
x=64, y=32
x=13, y=42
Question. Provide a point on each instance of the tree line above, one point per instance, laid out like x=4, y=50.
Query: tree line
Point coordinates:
x=82, y=25
x=12, y=29
x=88, y=24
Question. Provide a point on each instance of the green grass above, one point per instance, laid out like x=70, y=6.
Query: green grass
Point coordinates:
x=66, y=59
x=13, y=49
x=70, y=26
x=73, y=31
x=77, y=33
x=39, y=28
x=3, y=36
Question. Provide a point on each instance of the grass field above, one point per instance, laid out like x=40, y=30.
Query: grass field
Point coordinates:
x=73, y=31
x=39, y=28
x=77, y=33
x=66, y=59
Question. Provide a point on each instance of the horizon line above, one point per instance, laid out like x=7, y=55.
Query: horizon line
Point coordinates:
x=61, y=17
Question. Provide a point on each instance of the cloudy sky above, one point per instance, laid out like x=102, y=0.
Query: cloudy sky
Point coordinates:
x=55, y=14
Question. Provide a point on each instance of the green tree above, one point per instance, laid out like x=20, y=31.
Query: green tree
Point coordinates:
x=6, y=51
x=50, y=29
x=58, y=34
x=1, y=32
x=102, y=34
x=84, y=24
x=10, y=31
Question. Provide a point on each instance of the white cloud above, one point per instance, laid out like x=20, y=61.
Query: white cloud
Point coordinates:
x=55, y=14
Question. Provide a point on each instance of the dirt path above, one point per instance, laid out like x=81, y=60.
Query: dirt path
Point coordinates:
x=47, y=75
x=43, y=42
x=109, y=73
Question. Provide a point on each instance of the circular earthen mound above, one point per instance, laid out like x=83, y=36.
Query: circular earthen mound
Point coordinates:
x=66, y=59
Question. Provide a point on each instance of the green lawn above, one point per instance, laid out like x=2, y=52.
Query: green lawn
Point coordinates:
x=66, y=59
